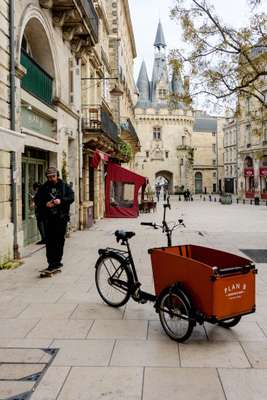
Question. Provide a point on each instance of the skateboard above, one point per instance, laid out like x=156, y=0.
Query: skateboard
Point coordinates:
x=45, y=273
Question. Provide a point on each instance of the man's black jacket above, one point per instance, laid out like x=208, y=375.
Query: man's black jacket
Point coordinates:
x=48, y=192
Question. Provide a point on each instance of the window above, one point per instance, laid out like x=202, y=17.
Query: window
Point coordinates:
x=157, y=133
x=166, y=154
x=71, y=80
x=213, y=133
x=121, y=194
x=147, y=154
x=214, y=163
x=214, y=174
x=213, y=147
x=162, y=94
x=183, y=140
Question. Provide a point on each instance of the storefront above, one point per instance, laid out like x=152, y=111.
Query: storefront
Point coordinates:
x=34, y=164
x=249, y=182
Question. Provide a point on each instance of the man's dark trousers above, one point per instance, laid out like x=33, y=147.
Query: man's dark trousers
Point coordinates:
x=55, y=239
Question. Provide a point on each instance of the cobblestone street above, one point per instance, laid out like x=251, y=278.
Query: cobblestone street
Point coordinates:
x=119, y=354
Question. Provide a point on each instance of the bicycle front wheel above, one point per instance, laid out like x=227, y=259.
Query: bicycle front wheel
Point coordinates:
x=113, y=279
x=175, y=314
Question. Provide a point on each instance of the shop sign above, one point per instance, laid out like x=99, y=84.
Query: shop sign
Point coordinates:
x=263, y=171
x=37, y=123
x=249, y=171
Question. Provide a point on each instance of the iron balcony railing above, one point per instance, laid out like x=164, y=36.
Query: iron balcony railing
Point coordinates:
x=95, y=119
x=91, y=17
x=36, y=81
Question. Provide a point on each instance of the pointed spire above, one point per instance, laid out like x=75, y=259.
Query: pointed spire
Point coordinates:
x=143, y=85
x=160, y=39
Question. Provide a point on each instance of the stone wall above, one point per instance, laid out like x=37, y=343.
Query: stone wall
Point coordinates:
x=4, y=65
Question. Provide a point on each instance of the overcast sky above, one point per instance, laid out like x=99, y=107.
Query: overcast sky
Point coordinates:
x=146, y=14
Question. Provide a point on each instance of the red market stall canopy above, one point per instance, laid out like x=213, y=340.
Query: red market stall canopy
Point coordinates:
x=122, y=187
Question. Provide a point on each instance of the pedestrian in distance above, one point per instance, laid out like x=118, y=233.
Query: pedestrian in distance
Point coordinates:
x=38, y=214
x=53, y=199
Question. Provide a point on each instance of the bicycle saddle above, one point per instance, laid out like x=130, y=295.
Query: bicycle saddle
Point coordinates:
x=123, y=235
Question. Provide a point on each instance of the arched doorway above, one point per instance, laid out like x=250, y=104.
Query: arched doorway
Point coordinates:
x=198, y=182
x=249, y=177
x=263, y=177
x=164, y=179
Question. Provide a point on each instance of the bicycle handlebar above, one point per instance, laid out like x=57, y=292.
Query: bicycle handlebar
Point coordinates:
x=147, y=223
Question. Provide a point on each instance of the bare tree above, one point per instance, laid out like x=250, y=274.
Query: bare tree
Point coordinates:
x=224, y=62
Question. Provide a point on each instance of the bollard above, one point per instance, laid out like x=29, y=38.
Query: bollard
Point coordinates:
x=237, y=201
x=179, y=198
x=215, y=199
x=250, y=201
x=204, y=198
x=244, y=201
x=266, y=203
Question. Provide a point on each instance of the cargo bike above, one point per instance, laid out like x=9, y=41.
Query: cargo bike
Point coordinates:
x=193, y=284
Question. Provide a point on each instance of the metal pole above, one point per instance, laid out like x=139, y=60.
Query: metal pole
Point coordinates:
x=13, y=128
x=217, y=158
x=237, y=145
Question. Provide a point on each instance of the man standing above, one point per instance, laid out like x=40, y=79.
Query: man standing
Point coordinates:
x=53, y=199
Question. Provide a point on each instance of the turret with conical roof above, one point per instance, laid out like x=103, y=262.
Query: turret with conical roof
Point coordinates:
x=160, y=39
x=154, y=93
x=143, y=86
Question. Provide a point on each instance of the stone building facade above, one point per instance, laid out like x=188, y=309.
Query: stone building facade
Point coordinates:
x=208, y=153
x=230, y=156
x=165, y=133
x=108, y=97
x=49, y=40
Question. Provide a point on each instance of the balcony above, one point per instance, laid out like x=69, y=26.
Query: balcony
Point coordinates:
x=129, y=133
x=77, y=19
x=97, y=121
x=36, y=81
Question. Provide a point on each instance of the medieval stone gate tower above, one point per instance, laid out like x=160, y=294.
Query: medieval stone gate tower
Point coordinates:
x=165, y=133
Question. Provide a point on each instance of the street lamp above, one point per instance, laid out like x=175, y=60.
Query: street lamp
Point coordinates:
x=116, y=91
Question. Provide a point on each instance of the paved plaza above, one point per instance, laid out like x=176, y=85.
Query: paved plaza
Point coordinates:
x=123, y=354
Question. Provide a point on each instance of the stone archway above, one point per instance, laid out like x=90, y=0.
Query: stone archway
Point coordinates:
x=36, y=28
x=198, y=182
x=164, y=178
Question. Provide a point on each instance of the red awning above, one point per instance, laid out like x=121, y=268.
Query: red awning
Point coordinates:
x=122, y=187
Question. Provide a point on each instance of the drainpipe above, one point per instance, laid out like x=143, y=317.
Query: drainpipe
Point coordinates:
x=16, y=253
x=80, y=143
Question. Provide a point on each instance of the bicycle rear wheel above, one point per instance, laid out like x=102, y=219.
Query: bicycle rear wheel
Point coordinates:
x=175, y=314
x=113, y=279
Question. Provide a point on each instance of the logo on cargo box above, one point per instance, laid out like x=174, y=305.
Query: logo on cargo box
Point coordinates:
x=235, y=290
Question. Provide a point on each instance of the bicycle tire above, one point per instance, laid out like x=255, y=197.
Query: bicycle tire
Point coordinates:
x=105, y=288
x=230, y=323
x=174, y=304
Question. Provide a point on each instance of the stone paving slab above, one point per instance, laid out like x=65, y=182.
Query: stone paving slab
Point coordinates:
x=83, y=352
x=213, y=354
x=15, y=328
x=130, y=353
x=180, y=384
x=245, y=384
x=103, y=383
x=10, y=388
x=19, y=371
x=61, y=329
x=48, y=311
x=51, y=383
